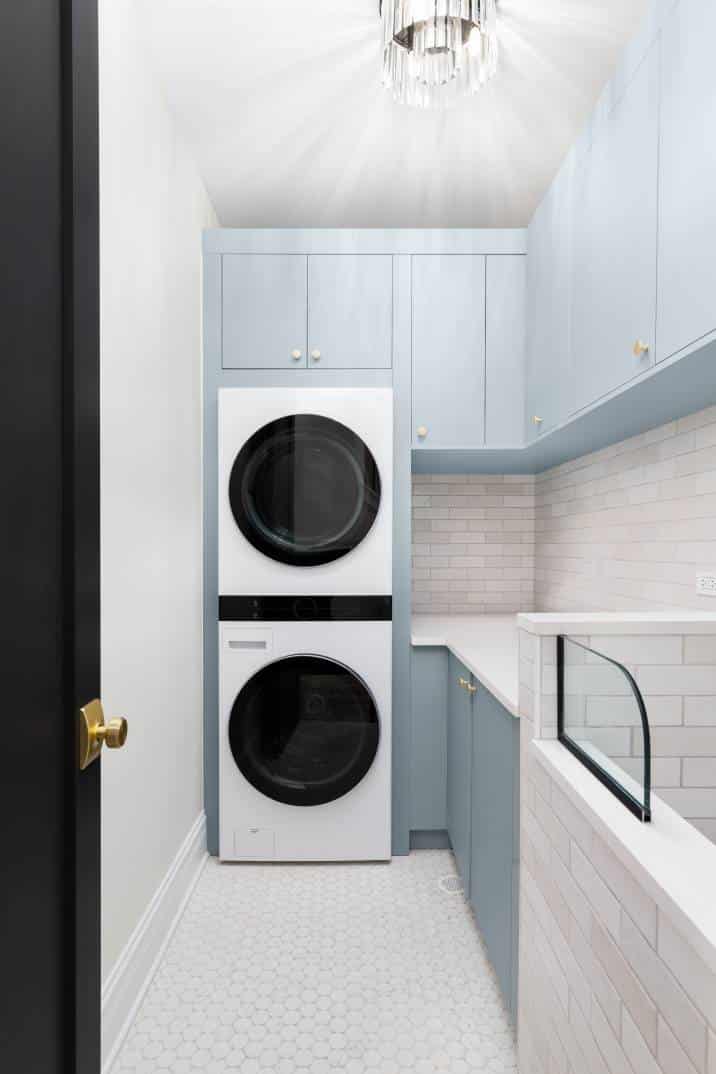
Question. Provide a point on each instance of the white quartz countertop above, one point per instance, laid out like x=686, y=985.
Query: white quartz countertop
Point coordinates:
x=486, y=644
x=621, y=623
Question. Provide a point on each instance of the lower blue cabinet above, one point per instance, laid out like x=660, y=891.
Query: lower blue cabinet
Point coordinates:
x=459, y=766
x=494, y=836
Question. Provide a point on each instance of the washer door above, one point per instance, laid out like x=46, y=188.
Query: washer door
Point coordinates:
x=304, y=730
x=304, y=490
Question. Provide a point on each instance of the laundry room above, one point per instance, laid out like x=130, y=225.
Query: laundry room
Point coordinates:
x=370, y=561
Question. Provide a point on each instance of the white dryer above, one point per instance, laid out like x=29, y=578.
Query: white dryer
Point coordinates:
x=305, y=491
x=305, y=730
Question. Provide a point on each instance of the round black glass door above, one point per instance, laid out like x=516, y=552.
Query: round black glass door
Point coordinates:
x=304, y=730
x=304, y=490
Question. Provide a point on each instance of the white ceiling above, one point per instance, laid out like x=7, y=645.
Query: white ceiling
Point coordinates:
x=281, y=103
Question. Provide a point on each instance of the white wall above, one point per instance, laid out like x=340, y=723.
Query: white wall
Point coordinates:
x=153, y=209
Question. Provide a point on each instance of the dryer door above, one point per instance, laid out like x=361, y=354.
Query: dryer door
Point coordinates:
x=304, y=730
x=304, y=490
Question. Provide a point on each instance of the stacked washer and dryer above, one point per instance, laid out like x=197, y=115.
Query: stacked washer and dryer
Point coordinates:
x=305, y=583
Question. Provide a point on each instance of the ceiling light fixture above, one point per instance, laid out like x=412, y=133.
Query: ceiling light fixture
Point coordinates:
x=437, y=50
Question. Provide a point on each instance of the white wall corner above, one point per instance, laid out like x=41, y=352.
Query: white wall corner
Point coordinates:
x=133, y=971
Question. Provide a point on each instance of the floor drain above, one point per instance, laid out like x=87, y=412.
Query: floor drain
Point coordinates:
x=451, y=885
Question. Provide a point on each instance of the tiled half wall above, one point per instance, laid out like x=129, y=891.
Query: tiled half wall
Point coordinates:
x=609, y=981
x=473, y=544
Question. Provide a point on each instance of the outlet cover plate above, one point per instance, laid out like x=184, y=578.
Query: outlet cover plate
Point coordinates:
x=706, y=585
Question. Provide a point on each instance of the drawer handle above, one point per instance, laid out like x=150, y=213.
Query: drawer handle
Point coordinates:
x=296, y=355
x=640, y=348
x=422, y=431
x=463, y=682
x=537, y=419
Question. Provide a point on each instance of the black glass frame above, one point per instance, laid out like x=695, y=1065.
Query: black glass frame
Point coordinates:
x=305, y=490
x=640, y=809
x=304, y=746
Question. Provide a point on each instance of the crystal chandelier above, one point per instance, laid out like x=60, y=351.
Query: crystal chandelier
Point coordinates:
x=437, y=50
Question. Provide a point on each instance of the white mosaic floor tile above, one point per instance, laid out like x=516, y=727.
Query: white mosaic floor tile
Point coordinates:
x=323, y=969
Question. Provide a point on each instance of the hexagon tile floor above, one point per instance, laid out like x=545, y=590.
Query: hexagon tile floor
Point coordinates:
x=323, y=969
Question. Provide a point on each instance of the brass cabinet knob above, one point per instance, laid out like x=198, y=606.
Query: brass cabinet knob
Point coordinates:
x=316, y=356
x=296, y=355
x=422, y=431
x=640, y=348
x=94, y=732
x=537, y=419
x=463, y=682
x=471, y=689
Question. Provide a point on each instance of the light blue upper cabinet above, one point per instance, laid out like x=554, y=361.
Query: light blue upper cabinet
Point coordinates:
x=350, y=311
x=448, y=351
x=264, y=302
x=550, y=370
x=687, y=179
x=505, y=351
x=614, y=300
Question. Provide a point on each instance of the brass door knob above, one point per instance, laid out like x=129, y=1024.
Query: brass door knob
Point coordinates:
x=422, y=431
x=640, y=348
x=296, y=355
x=94, y=732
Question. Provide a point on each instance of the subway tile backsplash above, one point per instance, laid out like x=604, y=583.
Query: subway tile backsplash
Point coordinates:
x=473, y=544
x=628, y=528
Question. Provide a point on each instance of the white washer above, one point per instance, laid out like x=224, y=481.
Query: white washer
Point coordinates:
x=305, y=491
x=305, y=741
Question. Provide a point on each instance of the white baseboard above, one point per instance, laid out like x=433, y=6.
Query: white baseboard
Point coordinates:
x=126, y=985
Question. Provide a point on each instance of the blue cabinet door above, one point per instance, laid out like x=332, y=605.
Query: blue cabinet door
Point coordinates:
x=459, y=767
x=428, y=740
x=350, y=311
x=550, y=369
x=687, y=179
x=614, y=299
x=505, y=351
x=264, y=303
x=494, y=835
x=448, y=351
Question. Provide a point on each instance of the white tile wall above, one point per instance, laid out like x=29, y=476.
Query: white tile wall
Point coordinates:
x=673, y=685
x=608, y=985
x=473, y=544
x=628, y=528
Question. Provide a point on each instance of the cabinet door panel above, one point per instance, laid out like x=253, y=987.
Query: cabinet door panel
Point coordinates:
x=449, y=350
x=264, y=310
x=614, y=302
x=459, y=768
x=687, y=180
x=350, y=303
x=495, y=767
x=550, y=371
x=505, y=351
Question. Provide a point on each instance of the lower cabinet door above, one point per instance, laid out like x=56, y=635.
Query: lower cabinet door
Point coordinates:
x=493, y=838
x=459, y=767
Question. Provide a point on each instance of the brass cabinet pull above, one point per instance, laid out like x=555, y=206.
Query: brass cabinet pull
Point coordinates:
x=537, y=419
x=422, y=431
x=467, y=685
x=296, y=355
x=471, y=689
x=640, y=348
x=95, y=732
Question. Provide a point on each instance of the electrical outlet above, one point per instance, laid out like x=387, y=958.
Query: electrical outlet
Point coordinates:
x=706, y=585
